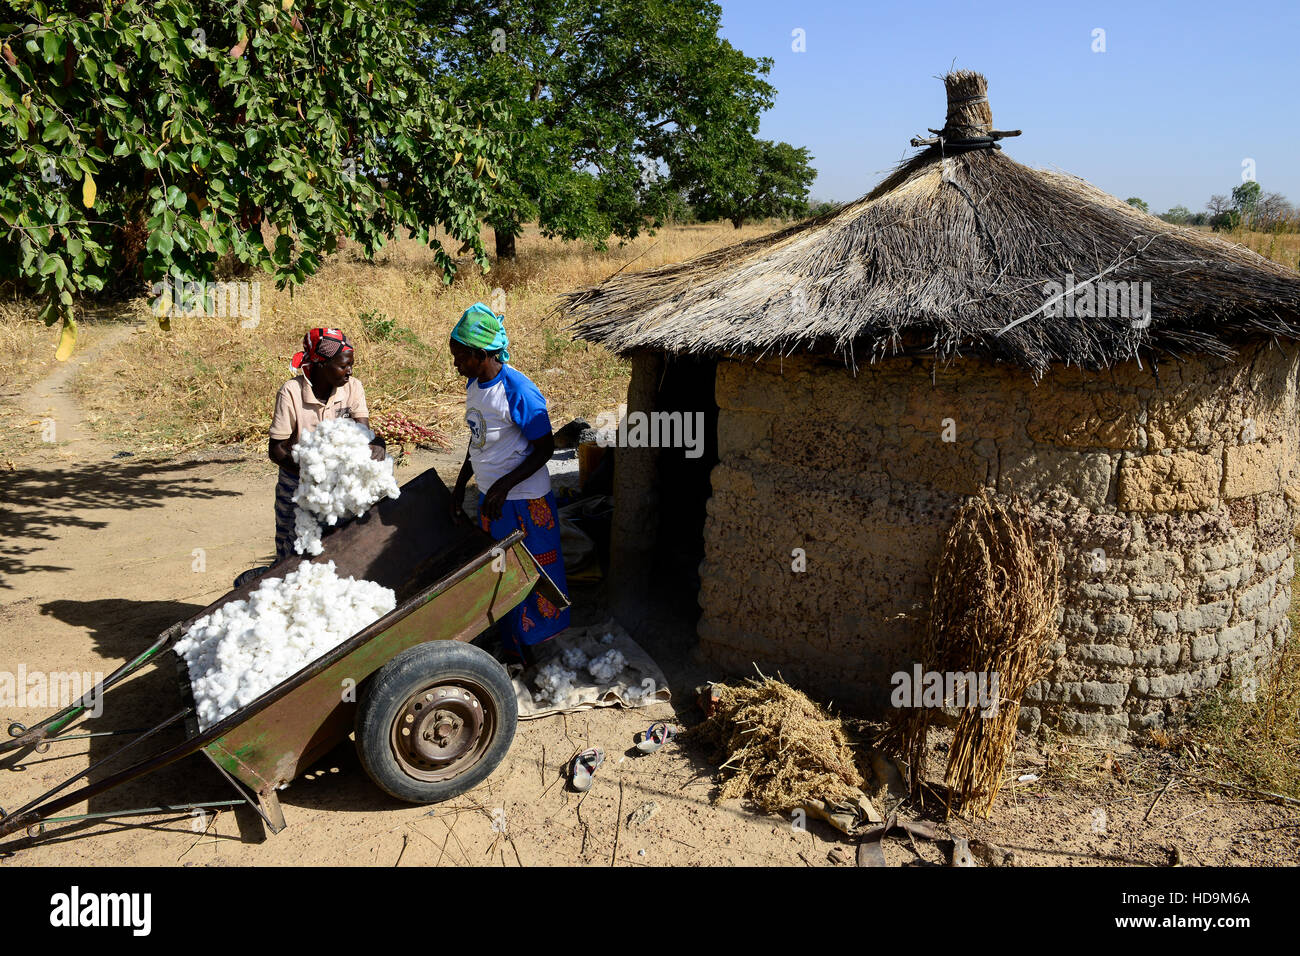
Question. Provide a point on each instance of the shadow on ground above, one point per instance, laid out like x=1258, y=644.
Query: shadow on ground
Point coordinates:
x=42, y=504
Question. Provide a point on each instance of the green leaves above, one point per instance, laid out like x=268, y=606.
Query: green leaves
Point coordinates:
x=768, y=179
x=201, y=122
x=589, y=91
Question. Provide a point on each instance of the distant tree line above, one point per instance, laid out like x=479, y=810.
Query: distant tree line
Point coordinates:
x=1247, y=207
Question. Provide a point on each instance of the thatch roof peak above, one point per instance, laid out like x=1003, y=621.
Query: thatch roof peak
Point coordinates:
x=960, y=250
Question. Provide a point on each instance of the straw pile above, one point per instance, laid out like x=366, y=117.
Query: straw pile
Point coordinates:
x=993, y=611
x=779, y=749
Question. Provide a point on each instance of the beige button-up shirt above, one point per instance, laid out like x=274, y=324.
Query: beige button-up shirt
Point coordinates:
x=298, y=410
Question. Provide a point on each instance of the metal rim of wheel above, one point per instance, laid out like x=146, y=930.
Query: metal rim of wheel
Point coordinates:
x=442, y=730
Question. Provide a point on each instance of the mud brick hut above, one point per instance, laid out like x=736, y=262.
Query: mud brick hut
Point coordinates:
x=964, y=325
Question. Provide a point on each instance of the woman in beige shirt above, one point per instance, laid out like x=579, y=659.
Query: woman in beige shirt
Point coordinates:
x=324, y=389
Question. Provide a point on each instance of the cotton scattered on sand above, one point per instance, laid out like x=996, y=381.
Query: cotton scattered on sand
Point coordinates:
x=607, y=666
x=555, y=683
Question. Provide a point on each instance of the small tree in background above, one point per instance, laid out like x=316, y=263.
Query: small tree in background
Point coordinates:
x=1245, y=197
x=1137, y=203
x=773, y=181
x=1274, y=212
x=1220, y=212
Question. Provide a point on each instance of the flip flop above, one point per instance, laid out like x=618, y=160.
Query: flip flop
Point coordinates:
x=656, y=735
x=585, y=766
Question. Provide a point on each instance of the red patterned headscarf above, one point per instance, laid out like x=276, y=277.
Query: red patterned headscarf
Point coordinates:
x=320, y=345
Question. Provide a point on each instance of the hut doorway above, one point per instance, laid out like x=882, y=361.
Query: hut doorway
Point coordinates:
x=661, y=493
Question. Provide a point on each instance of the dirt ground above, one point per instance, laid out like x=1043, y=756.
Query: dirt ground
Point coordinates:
x=98, y=555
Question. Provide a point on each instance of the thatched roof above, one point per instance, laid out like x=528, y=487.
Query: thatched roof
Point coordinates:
x=951, y=254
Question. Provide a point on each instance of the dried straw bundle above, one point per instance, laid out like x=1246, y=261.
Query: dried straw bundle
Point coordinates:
x=781, y=749
x=993, y=612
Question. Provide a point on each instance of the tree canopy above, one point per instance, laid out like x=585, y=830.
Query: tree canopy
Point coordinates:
x=771, y=180
x=615, y=106
x=140, y=139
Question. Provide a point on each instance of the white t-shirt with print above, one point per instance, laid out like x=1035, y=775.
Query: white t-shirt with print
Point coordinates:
x=505, y=416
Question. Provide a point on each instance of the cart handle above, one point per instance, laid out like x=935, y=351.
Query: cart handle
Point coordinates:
x=50, y=726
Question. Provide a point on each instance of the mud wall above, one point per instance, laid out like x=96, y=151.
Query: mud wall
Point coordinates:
x=637, y=500
x=1171, y=496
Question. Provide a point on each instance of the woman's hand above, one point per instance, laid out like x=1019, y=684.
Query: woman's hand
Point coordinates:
x=281, y=452
x=495, y=499
x=457, y=504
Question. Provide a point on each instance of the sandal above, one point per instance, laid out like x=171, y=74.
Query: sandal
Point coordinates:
x=585, y=766
x=656, y=735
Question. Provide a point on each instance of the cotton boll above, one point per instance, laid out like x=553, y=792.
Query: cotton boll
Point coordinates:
x=607, y=666
x=337, y=479
x=307, y=535
x=554, y=683
x=245, y=648
x=574, y=658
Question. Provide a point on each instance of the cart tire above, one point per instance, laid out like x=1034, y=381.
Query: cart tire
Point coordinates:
x=435, y=721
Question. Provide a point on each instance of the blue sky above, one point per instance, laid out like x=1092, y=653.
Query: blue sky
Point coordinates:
x=1182, y=95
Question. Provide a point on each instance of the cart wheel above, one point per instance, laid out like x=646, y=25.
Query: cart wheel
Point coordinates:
x=435, y=721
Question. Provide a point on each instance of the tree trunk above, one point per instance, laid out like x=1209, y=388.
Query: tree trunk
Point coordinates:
x=505, y=243
x=737, y=222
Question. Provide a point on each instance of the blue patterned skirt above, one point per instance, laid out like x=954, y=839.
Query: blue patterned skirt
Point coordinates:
x=536, y=619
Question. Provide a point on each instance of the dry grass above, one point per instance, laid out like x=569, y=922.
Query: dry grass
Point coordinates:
x=26, y=356
x=26, y=347
x=208, y=381
x=1249, y=733
x=993, y=613
x=1280, y=247
x=778, y=749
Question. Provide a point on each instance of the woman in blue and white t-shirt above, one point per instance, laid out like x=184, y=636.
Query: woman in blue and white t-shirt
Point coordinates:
x=510, y=442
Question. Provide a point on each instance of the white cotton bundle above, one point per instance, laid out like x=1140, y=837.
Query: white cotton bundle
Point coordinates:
x=607, y=666
x=574, y=658
x=337, y=479
x=244, y=648
x=554, y=683
x=306, y=530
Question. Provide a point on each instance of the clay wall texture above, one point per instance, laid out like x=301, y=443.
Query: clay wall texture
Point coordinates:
x=1173, y=499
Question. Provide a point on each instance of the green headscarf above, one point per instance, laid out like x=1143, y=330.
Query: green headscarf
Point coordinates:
x=481, y=328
